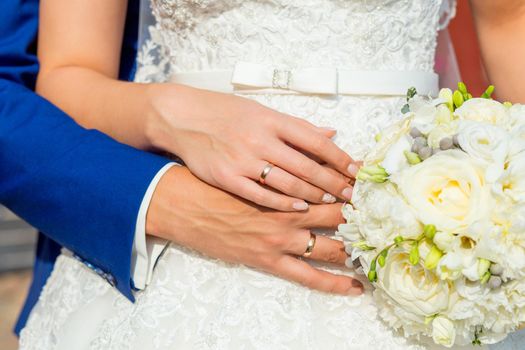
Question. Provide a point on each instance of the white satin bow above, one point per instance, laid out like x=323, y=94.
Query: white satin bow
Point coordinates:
x=318, y=80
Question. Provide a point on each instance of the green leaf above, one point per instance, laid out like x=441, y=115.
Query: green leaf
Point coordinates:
x=411, y=92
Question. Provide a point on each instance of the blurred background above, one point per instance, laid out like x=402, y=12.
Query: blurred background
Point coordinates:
x=17, y=239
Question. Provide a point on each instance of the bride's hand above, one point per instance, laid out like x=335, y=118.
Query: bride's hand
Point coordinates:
x=228, y=141
x=193, y=214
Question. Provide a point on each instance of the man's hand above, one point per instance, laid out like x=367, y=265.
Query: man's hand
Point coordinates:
x=191, y=213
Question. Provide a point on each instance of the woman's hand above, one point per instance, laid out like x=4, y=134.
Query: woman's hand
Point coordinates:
x=191, y=213
x=227, y=141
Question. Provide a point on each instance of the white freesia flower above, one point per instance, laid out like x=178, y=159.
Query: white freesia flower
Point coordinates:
x=449, y=267
x=483, y=110
x=387, y=138
x=447, y=190
x=440, y=132
x=417, y=290
x=395, y=159
x=487, y=143
x=443, y=331
x=446, y=241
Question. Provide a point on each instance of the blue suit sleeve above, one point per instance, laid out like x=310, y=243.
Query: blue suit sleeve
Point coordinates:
x=78, y=186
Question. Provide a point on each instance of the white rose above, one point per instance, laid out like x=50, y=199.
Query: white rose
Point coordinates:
x=483, y=110
x=487, y=143
x=443, y=331
x=516, y=119
x=512, y=182
x=447, y=190
x=416, y=290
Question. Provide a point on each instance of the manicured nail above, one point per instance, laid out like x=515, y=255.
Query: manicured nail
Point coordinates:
x=300, y=206
x=353, y=169
x=328, y=198
x=347, y=193
x=357, y=288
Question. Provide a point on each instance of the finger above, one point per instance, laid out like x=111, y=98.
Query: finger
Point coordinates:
x=320, y=146
x=325, y=216
x=298, y=271
x=325, y=249
x=291, y=185
x=253, y=192
x=305, y=168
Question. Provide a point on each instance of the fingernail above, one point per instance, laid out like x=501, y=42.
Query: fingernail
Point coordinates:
x=328, y=198
x=349, y=263
x=329, y=128
x=357, y=288
x=300, y=206
x=353, y=169
x=347, y=193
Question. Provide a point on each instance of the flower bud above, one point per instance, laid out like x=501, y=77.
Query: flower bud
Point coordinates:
x=483, y=267
x=446, y=96
x=429, y=231
x=443, y=331
x=414, y=255
x=496, y=269
x=412, y=158
x=374, y=173
x=494, y=282
x=433, y=257
x=458, y=98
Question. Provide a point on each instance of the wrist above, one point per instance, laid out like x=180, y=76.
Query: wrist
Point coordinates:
x=164, y=104
x=164, y=212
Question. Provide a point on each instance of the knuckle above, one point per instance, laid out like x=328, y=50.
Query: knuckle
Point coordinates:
x=274, y=241
x=219, y=174
x=320, y=144
x=332, y=256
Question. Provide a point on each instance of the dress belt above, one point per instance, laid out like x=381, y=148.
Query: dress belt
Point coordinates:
x=253, y=78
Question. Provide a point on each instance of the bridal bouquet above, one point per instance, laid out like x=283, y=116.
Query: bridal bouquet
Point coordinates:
x=438, y=219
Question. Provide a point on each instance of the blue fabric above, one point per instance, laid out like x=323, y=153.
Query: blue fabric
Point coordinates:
x=80, y=187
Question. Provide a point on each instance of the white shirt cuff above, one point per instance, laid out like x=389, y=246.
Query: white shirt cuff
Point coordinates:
x=146, y=249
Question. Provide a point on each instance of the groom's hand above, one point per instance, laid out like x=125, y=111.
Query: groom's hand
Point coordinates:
x=191, y=213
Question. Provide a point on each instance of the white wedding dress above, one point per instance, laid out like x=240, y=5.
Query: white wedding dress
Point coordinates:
x=195, y=302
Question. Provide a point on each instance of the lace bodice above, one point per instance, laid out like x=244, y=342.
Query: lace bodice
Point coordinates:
x=201, y=35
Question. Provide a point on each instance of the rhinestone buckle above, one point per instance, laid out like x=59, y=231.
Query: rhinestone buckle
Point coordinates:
x=281, y=79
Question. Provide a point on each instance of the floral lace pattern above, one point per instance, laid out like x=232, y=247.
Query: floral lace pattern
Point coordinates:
x=194, y=302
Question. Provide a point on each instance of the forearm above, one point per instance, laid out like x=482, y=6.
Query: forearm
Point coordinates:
x=501, y=32
x=78, y=186
x=119, y=109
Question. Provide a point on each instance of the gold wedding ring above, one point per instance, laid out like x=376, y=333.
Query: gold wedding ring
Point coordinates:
x=310, y=246
x=265, y=172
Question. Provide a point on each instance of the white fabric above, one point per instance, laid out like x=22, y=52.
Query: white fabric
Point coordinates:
x=254, y=78
x=146, y=249
x=194, y=302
